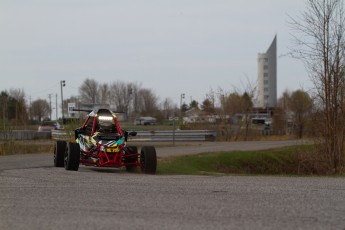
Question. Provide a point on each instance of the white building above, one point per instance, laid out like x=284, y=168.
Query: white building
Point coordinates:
x=267, y=77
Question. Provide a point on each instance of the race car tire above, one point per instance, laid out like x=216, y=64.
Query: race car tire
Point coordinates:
x=72, y=156
x=148, y=159
x=59, y=152
x=132, y=159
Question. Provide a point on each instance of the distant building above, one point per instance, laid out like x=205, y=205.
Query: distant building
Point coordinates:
x=267, y=77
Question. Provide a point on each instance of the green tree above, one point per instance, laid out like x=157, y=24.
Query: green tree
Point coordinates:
x=193, y=104
x=301, y=105
x=184, y=107
x=233, y=104
x=208, y=107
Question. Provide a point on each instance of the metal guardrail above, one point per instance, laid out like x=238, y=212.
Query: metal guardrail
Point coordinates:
x=167, y=135
x=61, y=134
x=177, y=135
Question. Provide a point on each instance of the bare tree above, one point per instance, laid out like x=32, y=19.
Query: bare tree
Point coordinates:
x=21, y=115
x=88, y=91
x=247, y=110
x=168, y=108
x=40, y=109
x=103, y=93
x=232, y=107
x=283, y=101
x=148, y=102
x=320, y=44
x=4, y=114
x=122, y=94
x=241, y=101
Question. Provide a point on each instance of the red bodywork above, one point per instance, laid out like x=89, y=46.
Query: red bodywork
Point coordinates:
x=106, y=156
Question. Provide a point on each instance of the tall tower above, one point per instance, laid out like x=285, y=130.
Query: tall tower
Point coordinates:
x=267, y=77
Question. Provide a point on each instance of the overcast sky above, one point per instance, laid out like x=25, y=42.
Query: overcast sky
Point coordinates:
x=169, y=46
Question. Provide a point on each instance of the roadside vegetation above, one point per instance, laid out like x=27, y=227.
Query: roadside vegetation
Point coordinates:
x=11, y=147
x=295, y=160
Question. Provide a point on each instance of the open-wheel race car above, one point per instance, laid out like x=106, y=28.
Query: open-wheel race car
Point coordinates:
x=101, y=142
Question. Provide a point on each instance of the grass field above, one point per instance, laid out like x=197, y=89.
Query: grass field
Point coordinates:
x=296, y=160
x=26, y=147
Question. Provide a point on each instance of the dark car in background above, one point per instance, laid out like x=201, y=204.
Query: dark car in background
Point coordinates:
x=47, y=126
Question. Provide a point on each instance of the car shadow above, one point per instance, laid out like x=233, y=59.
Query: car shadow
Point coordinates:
x=121, y=170
x=101, y=170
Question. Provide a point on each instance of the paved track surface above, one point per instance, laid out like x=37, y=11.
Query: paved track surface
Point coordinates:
x=35, y=195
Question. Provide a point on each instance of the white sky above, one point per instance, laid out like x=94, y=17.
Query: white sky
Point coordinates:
x=169, y=46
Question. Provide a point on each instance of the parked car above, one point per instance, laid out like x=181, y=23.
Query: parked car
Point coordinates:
x=48, y=126
x=145, y=121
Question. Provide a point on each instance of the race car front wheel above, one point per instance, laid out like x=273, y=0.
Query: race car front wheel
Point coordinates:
x=148, y=159
x=72, y=156
x=59, y=152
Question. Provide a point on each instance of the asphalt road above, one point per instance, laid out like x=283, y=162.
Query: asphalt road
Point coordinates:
x=35, y=195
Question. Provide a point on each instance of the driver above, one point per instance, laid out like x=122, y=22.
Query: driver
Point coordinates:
x=105, y=127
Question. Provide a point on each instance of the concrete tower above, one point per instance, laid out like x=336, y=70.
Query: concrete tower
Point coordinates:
x=267, y=77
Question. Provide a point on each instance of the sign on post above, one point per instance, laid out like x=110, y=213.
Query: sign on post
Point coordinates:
x=71, y=107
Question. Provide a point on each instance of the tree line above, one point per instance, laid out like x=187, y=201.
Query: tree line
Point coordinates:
x=293, y=107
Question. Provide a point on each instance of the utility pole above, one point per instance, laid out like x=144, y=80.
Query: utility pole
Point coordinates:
x=174, y=127
x=182, y=97
x=30, y=109
x=50, y=105
x=56, y=107
x=62, y=84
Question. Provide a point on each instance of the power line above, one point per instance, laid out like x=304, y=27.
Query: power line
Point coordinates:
x=44, y=90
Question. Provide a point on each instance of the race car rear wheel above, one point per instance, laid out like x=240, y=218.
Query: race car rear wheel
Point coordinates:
x=72, y=156
x=148, y=159
x=59, y=152
x=132, y=159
